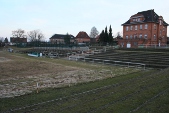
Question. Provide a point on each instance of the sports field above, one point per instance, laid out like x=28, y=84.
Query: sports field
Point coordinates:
x=68, y=86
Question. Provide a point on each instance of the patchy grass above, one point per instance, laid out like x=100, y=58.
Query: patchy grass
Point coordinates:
x=20, y=73
x=67, y=86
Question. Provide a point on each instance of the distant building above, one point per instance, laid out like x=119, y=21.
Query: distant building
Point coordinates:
x=14, y=41
x=94, y=40
x=82, y=37
x=144, y=28
x=59, y=38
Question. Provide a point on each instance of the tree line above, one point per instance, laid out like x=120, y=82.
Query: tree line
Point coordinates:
x=106, y=37
x=34, y=35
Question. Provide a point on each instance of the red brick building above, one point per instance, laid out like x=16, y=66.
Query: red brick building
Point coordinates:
x=14, y=41
x=82, y=37
x=144, y=28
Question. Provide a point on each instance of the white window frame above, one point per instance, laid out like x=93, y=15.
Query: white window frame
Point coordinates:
x=131, y=28
x=154, y=36
x=131, y=36
x=127, y=36
x=154, y=26
x=140, y=36
x=146, y=26
x=139, y=19
x=145, y=36
x=127, y=28
x=141, y=26
x=135, y=27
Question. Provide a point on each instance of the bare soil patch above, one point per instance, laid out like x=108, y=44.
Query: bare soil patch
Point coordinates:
x=20, y=75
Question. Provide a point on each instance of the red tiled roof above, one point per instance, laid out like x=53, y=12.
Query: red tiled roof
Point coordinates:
x=82, y=34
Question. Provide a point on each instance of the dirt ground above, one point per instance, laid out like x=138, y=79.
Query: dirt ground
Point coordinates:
x=20, y=75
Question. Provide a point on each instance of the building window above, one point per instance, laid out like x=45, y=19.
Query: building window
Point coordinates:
x=140, y=26
x=127, y=37
x=154, y=26
x=154, y=36
x=163, y=28
x=131, y=28
x=160, y=32
x=135, y=43
x=140, y=36
x=160, y=22
x=127, y=28
x=163, y=38
x=138, y=19
x=135, y=36
x=135, y=27
x=130, y=36
x=145, y=36
x=146, y=26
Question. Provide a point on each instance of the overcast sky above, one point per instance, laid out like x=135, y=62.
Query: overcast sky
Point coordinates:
x=72, y=16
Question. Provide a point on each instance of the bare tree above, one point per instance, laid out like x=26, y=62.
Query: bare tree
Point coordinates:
x=119, y=35
x=35, y=35
x=19, y=33
x=94, y=32
x=1, y=39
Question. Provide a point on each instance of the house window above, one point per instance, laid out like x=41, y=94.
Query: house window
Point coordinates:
x=130, y=36
x=140, y=36
x=163, y=38
x=135, y=27
x=131, y=28
x=160, y=22
x=135, y=36
x=127, y=28
x=163, y=28
x=154, y=26
x=154, y=36
x=140, y=26
x=127, y=37
x=138, y=19
x=135, y=43
x=145, y=36
x=146, y=26
x=160, y=32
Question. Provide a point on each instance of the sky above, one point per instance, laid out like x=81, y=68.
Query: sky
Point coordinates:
x=72, y=16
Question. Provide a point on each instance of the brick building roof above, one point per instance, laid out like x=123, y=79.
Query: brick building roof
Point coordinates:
x=82, y=34
x=149, y=16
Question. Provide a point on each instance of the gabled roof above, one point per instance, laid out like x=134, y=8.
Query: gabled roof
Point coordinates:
x=149, y=15
x=60, y=36
x=82, y=34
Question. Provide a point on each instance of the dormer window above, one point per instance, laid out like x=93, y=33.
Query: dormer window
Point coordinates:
x=138, y=19
x=160, y=22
